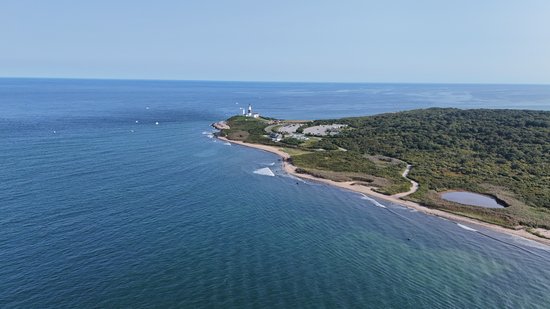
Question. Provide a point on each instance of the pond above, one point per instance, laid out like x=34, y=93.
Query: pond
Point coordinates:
x=471, y=199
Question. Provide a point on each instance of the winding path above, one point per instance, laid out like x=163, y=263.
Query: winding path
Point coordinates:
x=414, y=184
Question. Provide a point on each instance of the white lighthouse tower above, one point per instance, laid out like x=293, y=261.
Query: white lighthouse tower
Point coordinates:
x=249, y=110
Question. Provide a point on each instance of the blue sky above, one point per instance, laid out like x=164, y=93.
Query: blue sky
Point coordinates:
x=483, y=41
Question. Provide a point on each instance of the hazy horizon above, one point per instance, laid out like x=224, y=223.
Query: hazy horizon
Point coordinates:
x=493, y=42
x=270, y=81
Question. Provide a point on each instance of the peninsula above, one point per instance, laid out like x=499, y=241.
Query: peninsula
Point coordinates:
x=414, y=158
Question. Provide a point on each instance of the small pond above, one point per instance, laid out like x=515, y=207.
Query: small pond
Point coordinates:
x=471, y=199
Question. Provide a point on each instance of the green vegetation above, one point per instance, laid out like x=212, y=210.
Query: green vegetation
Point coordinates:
x=294, y=151
x=503, y=153
x=324, y=144
x=291, y=141
x=245, y=128
x=252, y=130
x=322, y=158
x=348, y=166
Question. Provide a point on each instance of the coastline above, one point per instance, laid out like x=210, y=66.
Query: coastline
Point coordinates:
x=291, y=169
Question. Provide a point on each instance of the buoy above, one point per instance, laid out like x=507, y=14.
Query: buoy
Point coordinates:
x=137, y=121
x=157, y=123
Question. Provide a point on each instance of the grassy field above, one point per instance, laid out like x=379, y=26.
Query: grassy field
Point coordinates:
x=348, y=166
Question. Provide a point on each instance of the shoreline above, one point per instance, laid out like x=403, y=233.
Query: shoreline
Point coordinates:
x=350, y=186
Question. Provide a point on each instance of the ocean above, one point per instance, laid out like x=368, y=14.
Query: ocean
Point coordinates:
x=101, y=207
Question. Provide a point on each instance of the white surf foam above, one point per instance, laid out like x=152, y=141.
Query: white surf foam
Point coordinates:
x=267, y=164
x=375, y=202
x=264, y=171
x=297, y=178
x=227, y=143
x=529, y=243
x=466, y=227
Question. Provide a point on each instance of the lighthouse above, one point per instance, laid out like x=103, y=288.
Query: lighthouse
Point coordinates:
x=248, y=112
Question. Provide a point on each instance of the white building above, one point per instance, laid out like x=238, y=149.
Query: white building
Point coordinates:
x=248, y=112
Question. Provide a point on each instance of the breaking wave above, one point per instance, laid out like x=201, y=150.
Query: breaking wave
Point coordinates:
x=264, y=171
x=375, y=202
x=466, y=227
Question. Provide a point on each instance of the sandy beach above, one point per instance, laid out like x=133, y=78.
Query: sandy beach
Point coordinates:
x=291, y=169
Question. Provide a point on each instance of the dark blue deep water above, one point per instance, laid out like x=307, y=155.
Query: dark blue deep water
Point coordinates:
x=100, y=211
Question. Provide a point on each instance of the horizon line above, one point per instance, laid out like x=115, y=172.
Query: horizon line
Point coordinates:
x=272, y=81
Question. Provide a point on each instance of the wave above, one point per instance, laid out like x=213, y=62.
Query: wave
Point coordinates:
x=466, y=227
x=208, y=134
x=516, y=240
x=521, y=247
x=530, y=243
x=299, y=179
x=287, y=175
x=227, y=143
x=375, y=202
x=267, y=164
x=264, y=171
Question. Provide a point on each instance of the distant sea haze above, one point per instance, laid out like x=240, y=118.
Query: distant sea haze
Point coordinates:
x=103, y=207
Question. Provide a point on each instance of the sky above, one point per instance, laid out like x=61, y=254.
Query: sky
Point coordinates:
x=435, y=41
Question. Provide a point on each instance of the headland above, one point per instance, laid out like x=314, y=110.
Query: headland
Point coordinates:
x=313, y=151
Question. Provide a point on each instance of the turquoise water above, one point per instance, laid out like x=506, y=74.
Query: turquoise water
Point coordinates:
x=472, y=199
x=107, y=212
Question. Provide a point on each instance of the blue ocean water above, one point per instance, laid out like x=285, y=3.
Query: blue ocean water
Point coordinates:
x=101, y=207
